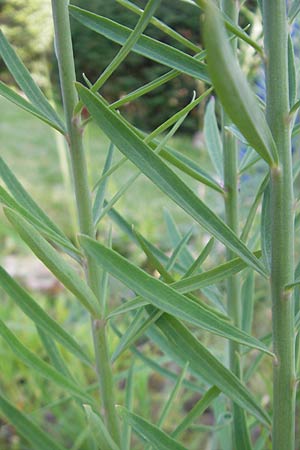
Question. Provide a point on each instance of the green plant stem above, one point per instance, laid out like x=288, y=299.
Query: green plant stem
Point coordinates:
x=230, y=167
x=64, y=53
x=282, y=219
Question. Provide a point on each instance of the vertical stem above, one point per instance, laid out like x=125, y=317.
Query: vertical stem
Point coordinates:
x=282, y=219
x=230, y=158
x=64, y=53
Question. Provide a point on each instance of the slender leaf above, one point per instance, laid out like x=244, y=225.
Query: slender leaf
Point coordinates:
x=188, y=348
x=163, y=296
x=186, y=257
x=266, y=227
x=169, y=403
x=212, y=138
x=200, y=259
x=294, y=10
x=27, y=84
x=24, y=199
x=29, y=306
x=37, y=364
x=127, y=229
x=20, y=101
x=128, y=45
x=100, y=193
x=44, y=229
x=292, y=72
x=27, y=428
x=155, y=169
x=53, y=353
x=55, y=263
x=197, y=410
x=99, y=432
x=146, y=46
x=148, y=432
x=232, y=87
x=126, y=432
x=247, y=296
x=161, y=26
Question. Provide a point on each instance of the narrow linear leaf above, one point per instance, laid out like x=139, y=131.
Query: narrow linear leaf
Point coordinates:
x=189, y=167
x=294, y=10
x=56, y=360
x=211, y=276
x=130, y=42
x=161, y=26
x=31, y=308
x=197, y=410
x=292, y=72
x=247, y=297
x=186, y=257
x=26, y=82
x=18, y=100
x=155, y=366
x=169, y=403
x=149, y=433
x=188, y=348
x=200, y=259
x=55, y=263
x=163, y=296
x=44, y=229
x=232, y=87
x=146, y=46
x=129, y=400
x=266, y=227
x=100, y=193
x=155, y=169
x=100, y=434
x=27, y=428
x=212, y=138
x=23, y=198
x=37, y=364
x=120, y=221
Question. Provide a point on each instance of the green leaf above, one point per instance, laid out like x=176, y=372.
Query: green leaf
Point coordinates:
x=128, y=45
x=188, y=166
x=266, y=227
x=169, y=403
x=187, y=348
x=200, y=259
x=146, y=46
x=101, y=437
x=253, y=208
x=292, y=72
x=149, y=433
x=55, y=263
x=163, y=296
x=44, y=229
x=27, y=428
x=18, y=100
x=161, y=26
x=37, y=364
x=247, y=297
x=24, y=199
x=197, y=410
x=294, y=10
x=232, y=87
x=29, y=306
x=27, y=84
x=53, y=353
x=155, y=169
x=100, y=193
x=120, y=221
x=211, y=276
x=186, y=257
x=212, y=138
x=129, y=400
